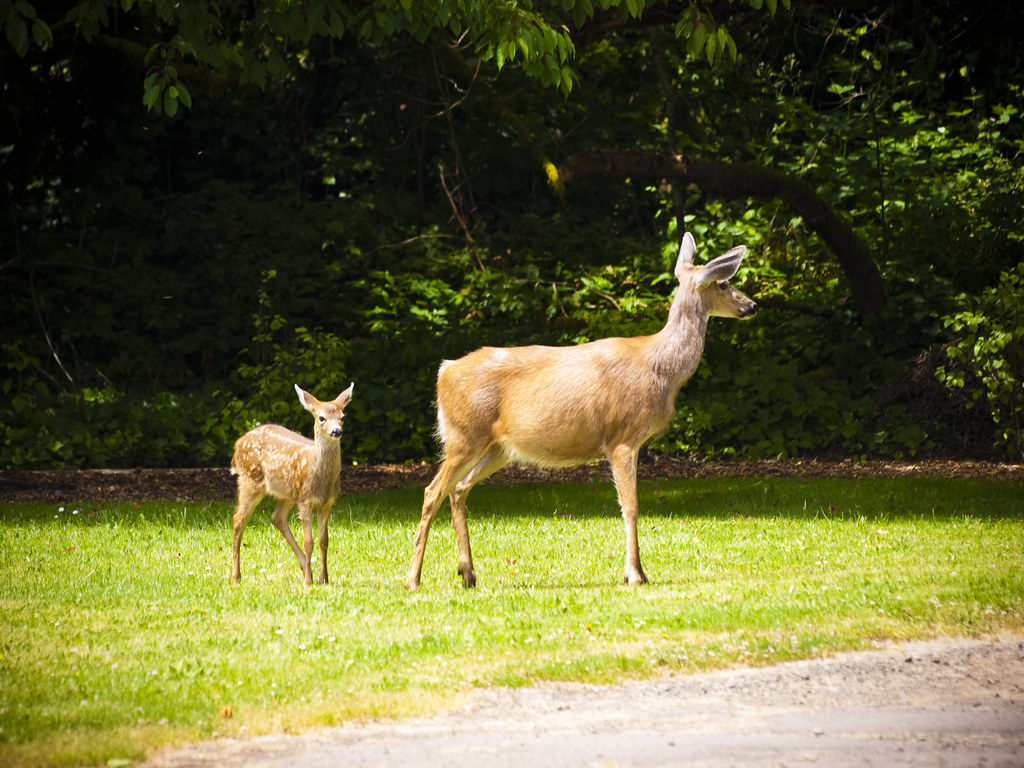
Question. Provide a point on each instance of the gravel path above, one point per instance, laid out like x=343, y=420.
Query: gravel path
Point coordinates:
x=948, y=703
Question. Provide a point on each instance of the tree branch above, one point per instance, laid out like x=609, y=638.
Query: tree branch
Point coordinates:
x=733, y=181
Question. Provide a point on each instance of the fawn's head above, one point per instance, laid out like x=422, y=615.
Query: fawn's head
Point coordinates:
x=711, y=281
x=329, y=415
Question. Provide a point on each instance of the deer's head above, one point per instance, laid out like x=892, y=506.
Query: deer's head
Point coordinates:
x=711, y=281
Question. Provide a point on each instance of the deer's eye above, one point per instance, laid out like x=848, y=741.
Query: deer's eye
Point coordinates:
x=322, y=419
x=724, y=285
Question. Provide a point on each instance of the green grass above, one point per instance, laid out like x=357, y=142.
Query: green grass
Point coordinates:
x=120, y=631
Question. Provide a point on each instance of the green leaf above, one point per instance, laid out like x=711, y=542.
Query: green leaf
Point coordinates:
x=524, y=46
x=170, y=104
x=695, y=46
x=336, y=24
x=17, y=35
x=152, y=95
x=711, y=48
x=184, y=96
x=41, y=33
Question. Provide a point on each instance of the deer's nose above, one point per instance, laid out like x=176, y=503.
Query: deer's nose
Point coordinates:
x=749, y=311
x=336, y=432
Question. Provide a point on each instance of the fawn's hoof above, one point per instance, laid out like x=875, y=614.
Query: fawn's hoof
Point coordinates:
x=468, y=578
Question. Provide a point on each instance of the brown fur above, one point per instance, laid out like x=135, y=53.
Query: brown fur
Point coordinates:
x=561, y=406
x=273, y=461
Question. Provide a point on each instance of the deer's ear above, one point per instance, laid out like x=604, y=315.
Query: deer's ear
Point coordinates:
x=723, y=267
x=687, y=250
x=308, y=401
x=342, y=400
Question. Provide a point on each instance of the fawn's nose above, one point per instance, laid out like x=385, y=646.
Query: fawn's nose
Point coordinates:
x=336, y=432
x=748, y=311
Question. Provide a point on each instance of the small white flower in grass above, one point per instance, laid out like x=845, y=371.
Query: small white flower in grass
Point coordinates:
x=279, y=632
x=60, y=509
x=74, y=512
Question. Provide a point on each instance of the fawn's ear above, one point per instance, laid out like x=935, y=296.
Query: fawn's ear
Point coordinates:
x=308, y=401
x=342, y=400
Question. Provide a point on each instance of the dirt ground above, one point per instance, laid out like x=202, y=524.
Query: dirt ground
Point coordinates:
x=947, y=702
x=71, y=485
x=952, y=703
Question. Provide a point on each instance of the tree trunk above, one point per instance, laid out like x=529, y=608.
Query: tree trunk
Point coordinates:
x=731, y=181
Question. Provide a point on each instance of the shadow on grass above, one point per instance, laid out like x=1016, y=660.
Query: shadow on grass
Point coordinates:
x=697, y=499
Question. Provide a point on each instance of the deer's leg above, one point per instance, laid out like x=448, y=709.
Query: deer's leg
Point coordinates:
x=306, y=516
x=454, y=467
x=248, y=498
x=623, y=461
x=280, y=520
x=322, y=517
x=493, y=460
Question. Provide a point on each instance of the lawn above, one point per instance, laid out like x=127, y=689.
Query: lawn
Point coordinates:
x=120, y=631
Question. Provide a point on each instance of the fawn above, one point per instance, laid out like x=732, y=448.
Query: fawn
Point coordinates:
x=561, y=406
x=273, y=461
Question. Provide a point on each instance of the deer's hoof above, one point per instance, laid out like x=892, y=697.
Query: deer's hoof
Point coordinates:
x=635, y=579
x=412, y=584
x=468, y=578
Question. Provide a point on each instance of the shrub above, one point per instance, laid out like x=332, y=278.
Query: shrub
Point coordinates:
x=989, y=346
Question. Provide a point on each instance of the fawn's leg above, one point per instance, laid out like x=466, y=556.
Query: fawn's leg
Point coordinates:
x=306, y=516
x=280, y=521
x=248, y=498
x=623, y=461
x=322, y=517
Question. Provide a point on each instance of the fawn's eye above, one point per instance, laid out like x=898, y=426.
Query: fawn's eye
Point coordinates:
x=724, y=285
x=322, y=419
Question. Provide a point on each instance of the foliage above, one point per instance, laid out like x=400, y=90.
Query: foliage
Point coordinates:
x=378, y=206
x=260, y=42
x=989, y=343
x=17, y=19
x=103, y=656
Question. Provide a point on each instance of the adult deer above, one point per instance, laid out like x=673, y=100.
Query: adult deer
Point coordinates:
x=561, y=406
x=273, y=461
